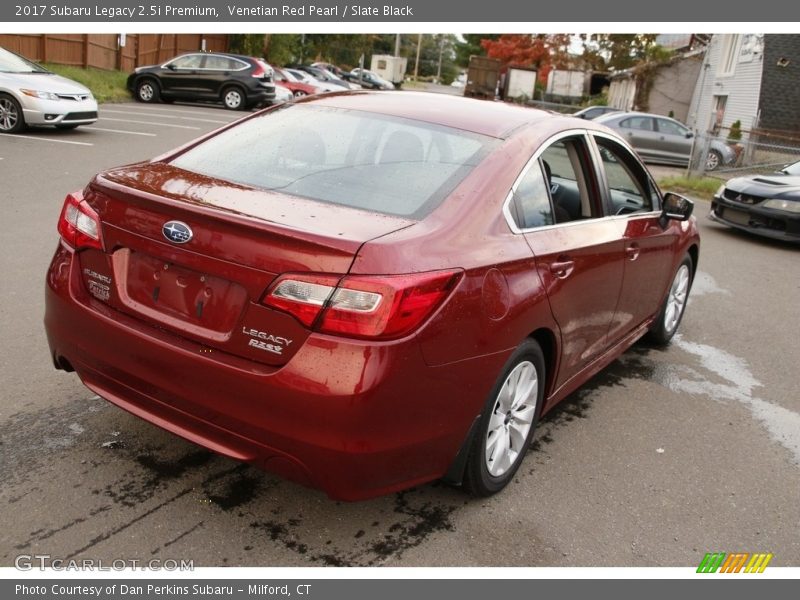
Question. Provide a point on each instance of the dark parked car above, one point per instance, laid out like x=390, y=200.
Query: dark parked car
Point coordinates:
x=367, y=291
x=592, y=112
x=767, y=205
x=239, y=82
x=660, y=139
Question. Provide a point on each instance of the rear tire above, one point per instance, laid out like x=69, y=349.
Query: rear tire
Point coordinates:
x=147, y=91
x=671, y=314
x=506, y=426
x=233, y=98
x=12, y=119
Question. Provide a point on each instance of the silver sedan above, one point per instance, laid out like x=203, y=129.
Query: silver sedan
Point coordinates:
x=659, y=139
x=32, y=95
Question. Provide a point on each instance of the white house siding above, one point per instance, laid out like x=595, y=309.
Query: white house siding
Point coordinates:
x=673, y=86
x=742, y=87
x=621, y=93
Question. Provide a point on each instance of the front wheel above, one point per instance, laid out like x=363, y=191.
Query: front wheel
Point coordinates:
x=666, y=324
x=506, y=426
x=11, y=118
x=147, y=91
x=300, y=94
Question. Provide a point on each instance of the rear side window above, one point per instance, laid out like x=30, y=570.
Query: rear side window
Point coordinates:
x=223, y=63
x=351, y=158
x=532, y=206
x=671, y=128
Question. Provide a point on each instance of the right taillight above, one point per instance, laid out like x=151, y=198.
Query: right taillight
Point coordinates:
x=79, y=225
x=362, y=306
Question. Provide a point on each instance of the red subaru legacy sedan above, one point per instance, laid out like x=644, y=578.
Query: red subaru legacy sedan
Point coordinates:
x=364, y=292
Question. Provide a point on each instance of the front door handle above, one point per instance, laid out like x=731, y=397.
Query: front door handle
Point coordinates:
x=633, y=251
x=562, y=268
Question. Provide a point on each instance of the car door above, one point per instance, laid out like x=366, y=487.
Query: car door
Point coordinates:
x=179, y=76
x=648, y=243
x=639, y=131
x=556, y=205
x=676, y=140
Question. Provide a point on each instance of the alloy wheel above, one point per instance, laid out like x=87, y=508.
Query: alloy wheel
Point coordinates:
x=676, y=301
x=511, y=419
x=8, y=115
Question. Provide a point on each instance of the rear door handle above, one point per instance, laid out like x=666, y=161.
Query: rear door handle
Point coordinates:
x=633, y=251
x=562, y=268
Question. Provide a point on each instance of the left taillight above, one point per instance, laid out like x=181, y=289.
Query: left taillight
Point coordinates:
x=362, y=306
x=79, y=225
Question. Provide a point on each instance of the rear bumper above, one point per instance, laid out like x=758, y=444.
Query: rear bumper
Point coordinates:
x=355, y=420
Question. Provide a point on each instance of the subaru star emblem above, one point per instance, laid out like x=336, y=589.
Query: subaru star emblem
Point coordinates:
x=177, y=232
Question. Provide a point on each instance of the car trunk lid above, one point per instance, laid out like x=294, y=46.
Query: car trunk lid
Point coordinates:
x=209, y=288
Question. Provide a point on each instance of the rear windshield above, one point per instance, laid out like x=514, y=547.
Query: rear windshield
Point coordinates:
x=347, y=157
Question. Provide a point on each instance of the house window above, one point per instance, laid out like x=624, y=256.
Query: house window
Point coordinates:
x=728, y=54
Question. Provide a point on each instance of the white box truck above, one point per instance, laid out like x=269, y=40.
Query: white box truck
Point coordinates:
x=390, y=68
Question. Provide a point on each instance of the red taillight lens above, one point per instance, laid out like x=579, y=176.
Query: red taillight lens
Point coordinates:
x=79, y=225
x=361, y=306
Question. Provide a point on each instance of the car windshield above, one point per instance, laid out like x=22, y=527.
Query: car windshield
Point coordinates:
x=12, y=63
x=351, y=158
x=792, y=169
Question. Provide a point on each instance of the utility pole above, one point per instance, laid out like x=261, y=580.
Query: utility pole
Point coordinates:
x=416, y=64
x=397, y=45
x=441, y=51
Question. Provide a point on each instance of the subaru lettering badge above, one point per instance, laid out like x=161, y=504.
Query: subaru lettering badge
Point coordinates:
x=177, y=232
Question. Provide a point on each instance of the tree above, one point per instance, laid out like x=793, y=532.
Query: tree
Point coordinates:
x=471, y=46
x=541, y=52
x=619, y=50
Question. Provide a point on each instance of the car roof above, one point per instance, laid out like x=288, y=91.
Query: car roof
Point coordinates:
x=228, y=54
x=495, y=119
x=634, y=113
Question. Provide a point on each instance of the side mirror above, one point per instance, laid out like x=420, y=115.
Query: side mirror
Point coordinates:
x=689, y=134
x=171, y=66
x=676, y=207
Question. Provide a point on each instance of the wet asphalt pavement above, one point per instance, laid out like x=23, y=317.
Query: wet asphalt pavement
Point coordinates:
x=666, y=455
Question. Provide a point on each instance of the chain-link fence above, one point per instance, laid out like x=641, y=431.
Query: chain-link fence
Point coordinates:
x=719, y=154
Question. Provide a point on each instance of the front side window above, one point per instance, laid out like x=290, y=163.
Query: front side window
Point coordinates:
x=193, y=61
x=630, y=189
x=641, y=123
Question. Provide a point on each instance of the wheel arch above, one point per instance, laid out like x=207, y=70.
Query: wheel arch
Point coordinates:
x=547, y=341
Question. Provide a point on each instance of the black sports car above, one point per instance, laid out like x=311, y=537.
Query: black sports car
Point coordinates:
x=239, y=82
x=767, y=205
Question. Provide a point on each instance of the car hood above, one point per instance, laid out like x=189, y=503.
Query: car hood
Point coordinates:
x=43, y=82
x=767, y=186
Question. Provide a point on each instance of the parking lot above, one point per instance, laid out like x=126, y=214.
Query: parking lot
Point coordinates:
x=664, y=456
